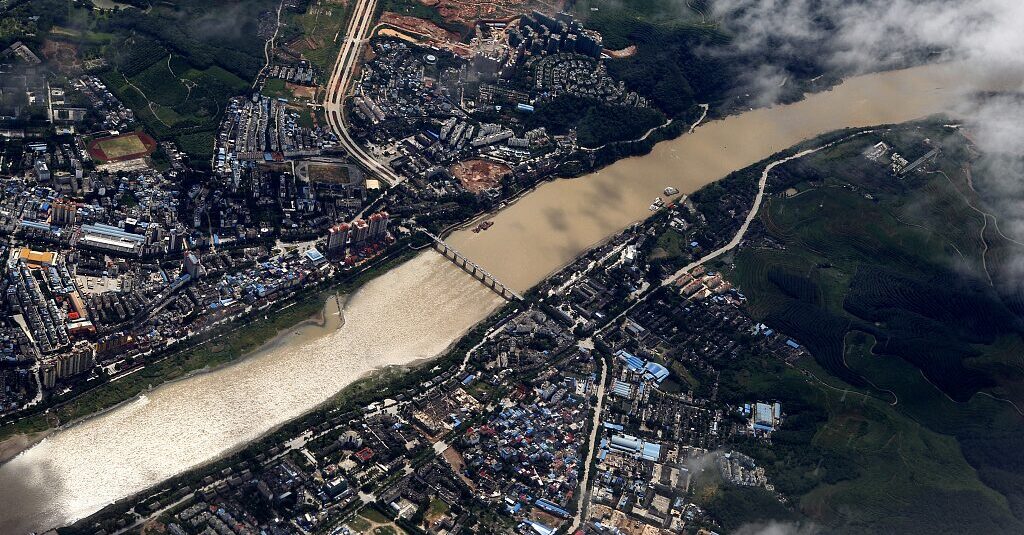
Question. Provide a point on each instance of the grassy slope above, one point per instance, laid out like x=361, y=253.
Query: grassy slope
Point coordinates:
x=904, y=468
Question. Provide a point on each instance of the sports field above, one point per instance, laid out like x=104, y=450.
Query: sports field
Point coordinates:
x=329, y=173
x=122, y=147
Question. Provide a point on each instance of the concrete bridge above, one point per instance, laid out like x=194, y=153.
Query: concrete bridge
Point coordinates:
x=473, y=269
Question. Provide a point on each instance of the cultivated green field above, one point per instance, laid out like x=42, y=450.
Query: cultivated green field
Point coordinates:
x=886, y=281
x=176, y=100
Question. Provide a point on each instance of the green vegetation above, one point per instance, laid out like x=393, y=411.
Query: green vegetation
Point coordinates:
x=620, y=22
x=910, y=273
x=174, y=99
x=596, y=123
x=175, y=63
x=670, y=66
x=314, y=32
x=884, y=280
x=671, y=248
x=276, y=87
x=121, y=146
x=205, y=33
x=739, y=506
x=685, y=56
x=374, y=515
x=853, y=462
x=436, y=508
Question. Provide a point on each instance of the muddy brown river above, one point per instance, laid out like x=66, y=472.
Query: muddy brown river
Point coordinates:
x=417, y=310
x=552, y=225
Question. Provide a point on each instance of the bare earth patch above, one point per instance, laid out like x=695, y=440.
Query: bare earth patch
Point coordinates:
x=468, y=12
x=479, y=175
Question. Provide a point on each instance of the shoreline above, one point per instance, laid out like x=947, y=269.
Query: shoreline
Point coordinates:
x=16, y=444
x=552, y=225
x=374, y=385
x=343, y=289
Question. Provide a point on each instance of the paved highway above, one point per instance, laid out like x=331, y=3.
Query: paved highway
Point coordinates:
x=359, y=29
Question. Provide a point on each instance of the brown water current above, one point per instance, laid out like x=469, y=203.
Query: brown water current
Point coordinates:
x=413, y=312
x=549, y=227
x=418, y=309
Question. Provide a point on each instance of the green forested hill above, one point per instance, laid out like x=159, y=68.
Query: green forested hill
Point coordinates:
x=907, y=417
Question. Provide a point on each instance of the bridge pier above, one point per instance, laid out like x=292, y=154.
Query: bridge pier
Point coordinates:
x=473, y=269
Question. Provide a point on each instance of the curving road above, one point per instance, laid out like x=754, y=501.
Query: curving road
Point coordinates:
x=761, y=184
x=359, y=29
x=584, y=491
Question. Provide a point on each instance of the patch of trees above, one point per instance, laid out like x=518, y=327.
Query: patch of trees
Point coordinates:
x=673, y=68
x=596, y=123
x=794, y=463
x=734, y=507
x=204, y=37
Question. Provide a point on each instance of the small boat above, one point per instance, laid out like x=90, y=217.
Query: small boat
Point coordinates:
x=669, y=191
x=483, y=226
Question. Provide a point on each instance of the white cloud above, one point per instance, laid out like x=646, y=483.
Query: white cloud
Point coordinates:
x=872, y=34
x=777, y=528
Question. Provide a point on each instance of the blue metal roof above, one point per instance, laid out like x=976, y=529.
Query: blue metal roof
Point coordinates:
x=656, y=371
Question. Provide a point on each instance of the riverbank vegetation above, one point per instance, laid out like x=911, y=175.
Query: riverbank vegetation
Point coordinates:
x=390, y=382
x=219, y=347
x=596, y=123
x=684, y=55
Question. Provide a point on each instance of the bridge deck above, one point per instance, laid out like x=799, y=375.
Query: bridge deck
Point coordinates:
x=482, y=274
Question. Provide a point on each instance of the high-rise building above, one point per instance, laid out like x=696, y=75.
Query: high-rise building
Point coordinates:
x=42, y=171
x=63, y=213
x=76, y=361
x=176, y=241
x=337, y=237
x=48, y=374
x=378, y=225
x=361, y=231
x=590, y=44
x=194, y=266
